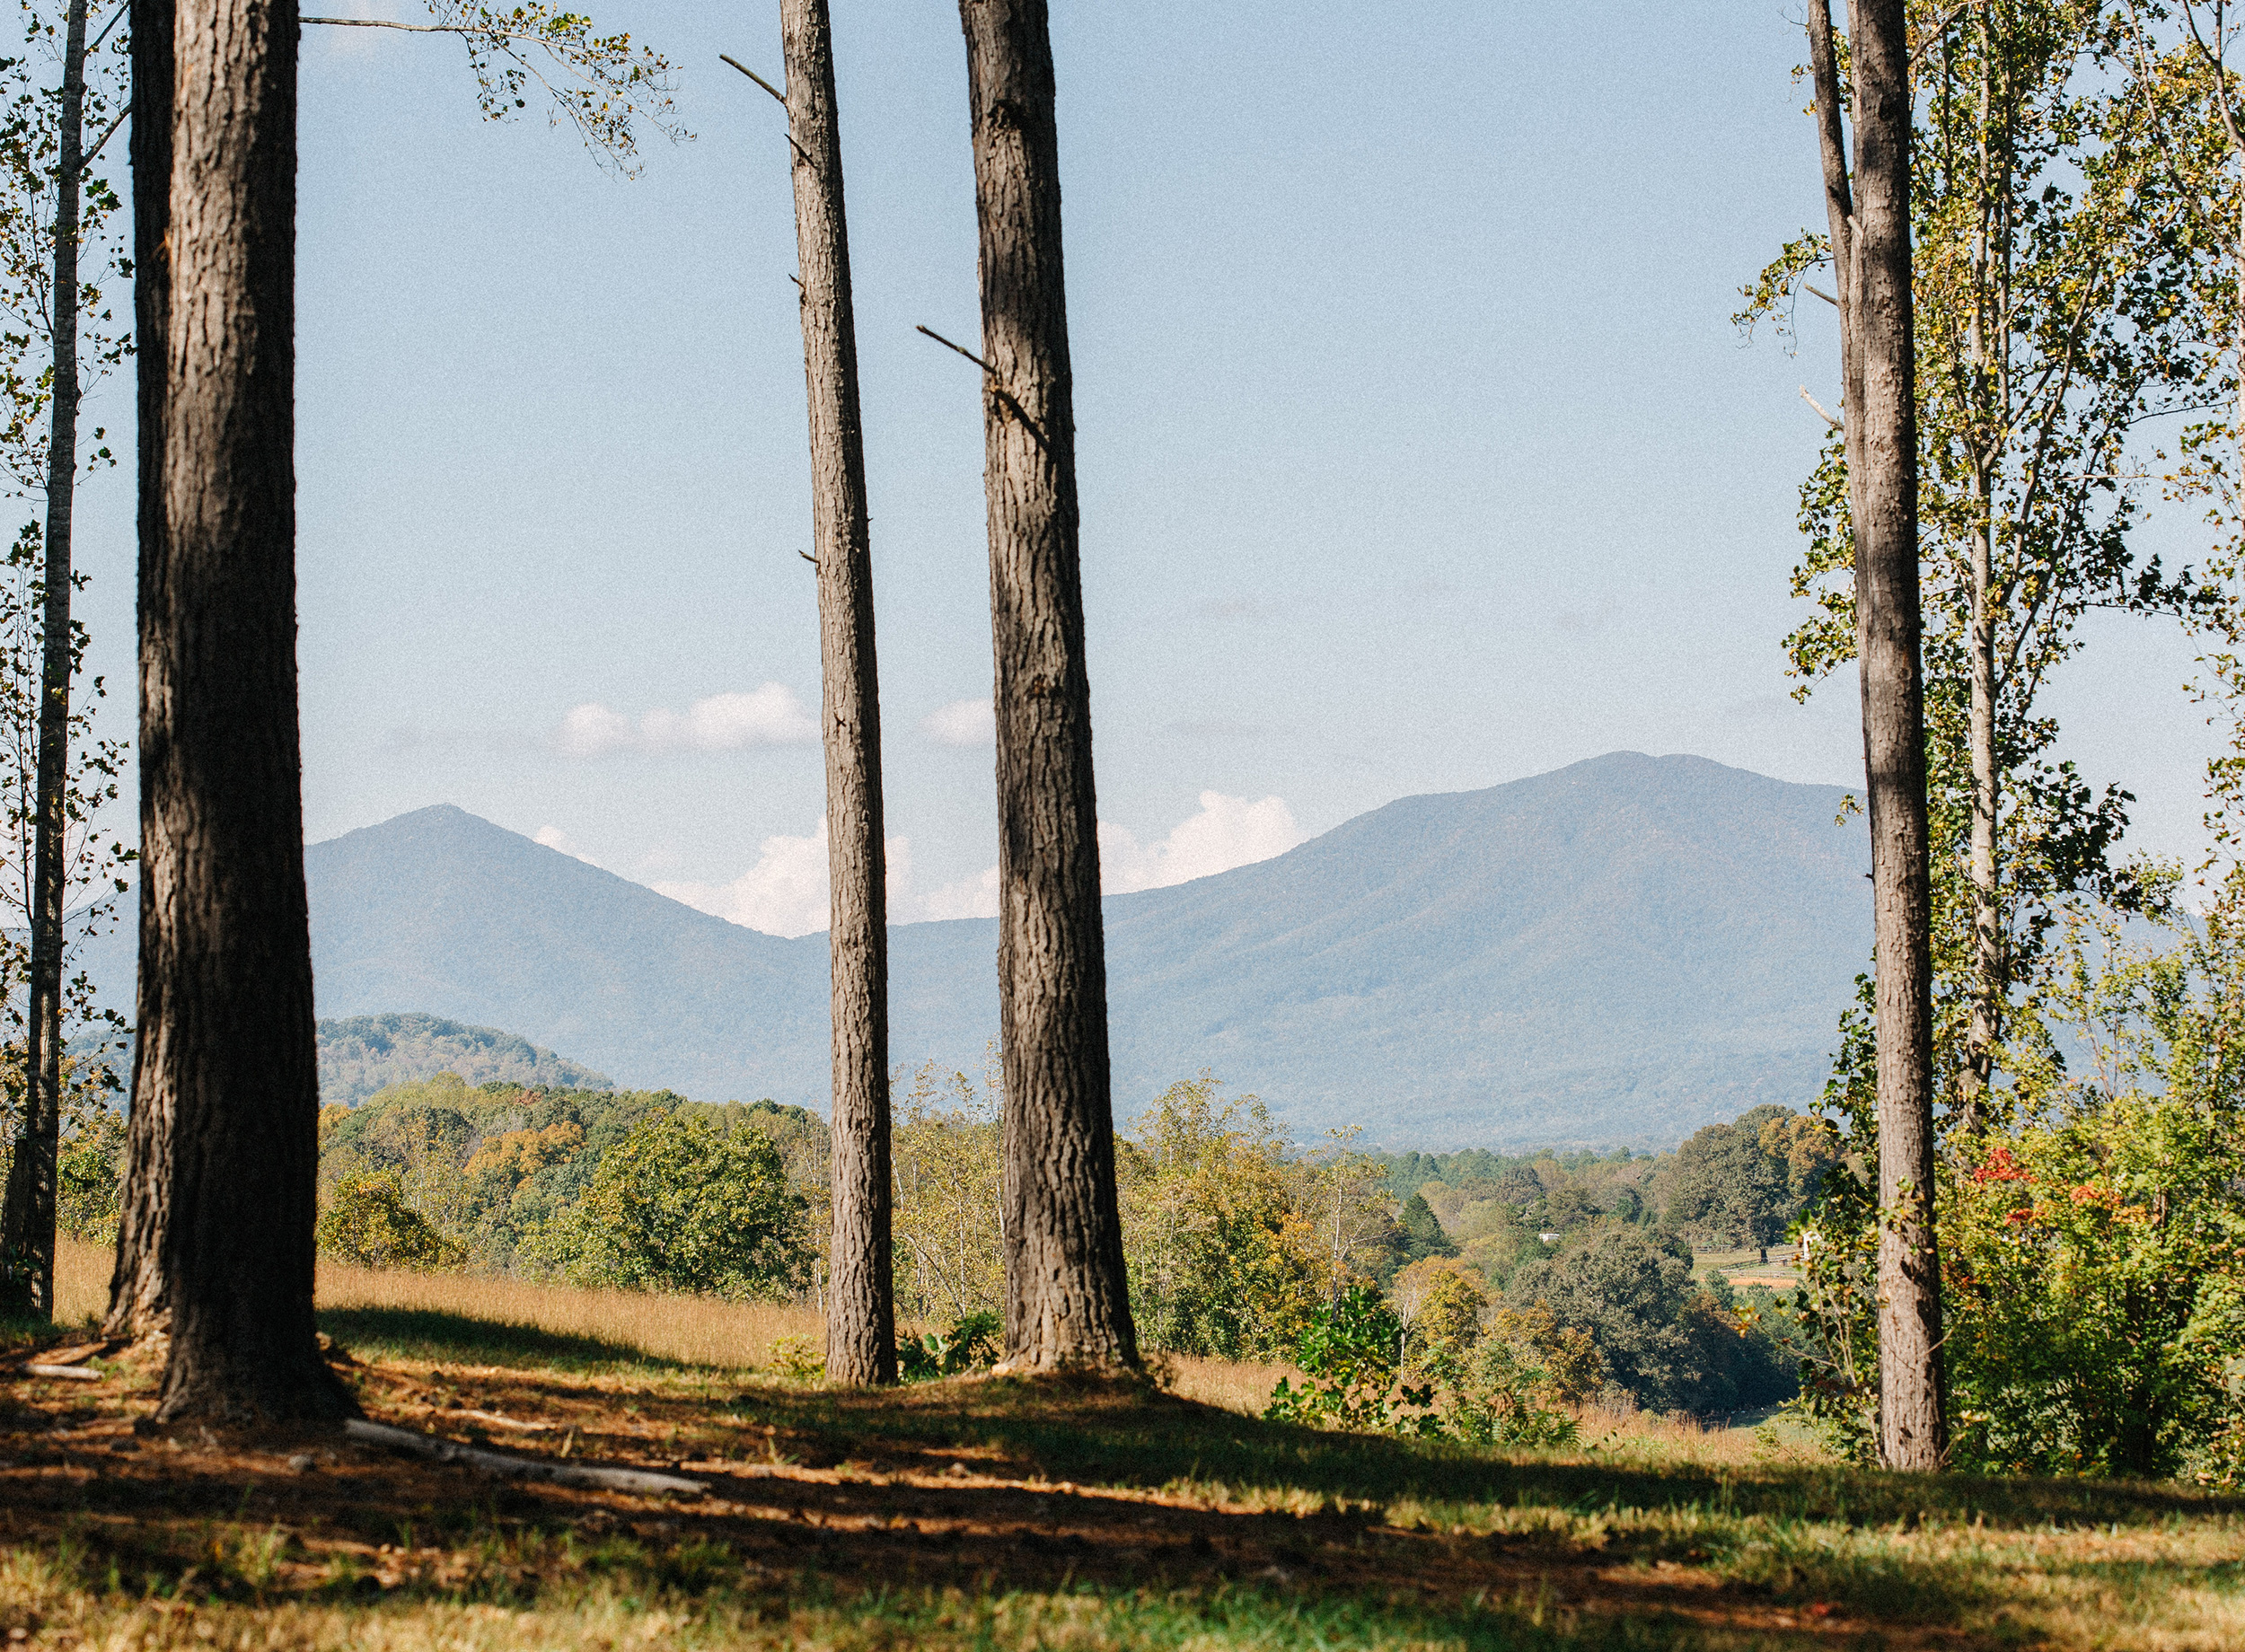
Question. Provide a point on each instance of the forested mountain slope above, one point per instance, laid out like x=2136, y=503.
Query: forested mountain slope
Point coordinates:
x=365, y=1054
x=1617, y=951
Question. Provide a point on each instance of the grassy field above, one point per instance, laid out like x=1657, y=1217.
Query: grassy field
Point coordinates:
x=996, y=1514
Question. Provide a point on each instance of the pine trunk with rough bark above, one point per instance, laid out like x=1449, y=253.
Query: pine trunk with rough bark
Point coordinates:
x=225, y=1056
x=139, y=1302
x=27, y=1216
x=1067, y=1295
x=860, y=1312
x=1882, y=440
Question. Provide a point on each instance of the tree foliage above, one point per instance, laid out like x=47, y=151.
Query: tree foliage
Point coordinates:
x=683, y=1205
x=369, y=1222
x=1223, y=1258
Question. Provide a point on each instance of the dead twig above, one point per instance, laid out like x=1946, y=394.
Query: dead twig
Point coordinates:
x=1818, y=405
x=997, y=387
x=759, y=79
x=498, y=1421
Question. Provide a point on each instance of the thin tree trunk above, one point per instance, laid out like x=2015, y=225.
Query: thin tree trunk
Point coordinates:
x=225, y=1043
x=1978, y=1075
x=1067, y=1295
x=860, y=1315
x=1839, y=210
x=1882, y=440
x=139, y=1295
x=27, y=1220
x=1990, y=388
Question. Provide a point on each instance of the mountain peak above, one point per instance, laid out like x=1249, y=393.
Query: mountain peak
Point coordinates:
x=1619, y=950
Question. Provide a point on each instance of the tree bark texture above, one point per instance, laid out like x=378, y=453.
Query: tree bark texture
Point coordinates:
x=226, y=1048
x=1067, y=1295
x=860, y=1310
x=139, y=1301
x=27, y=1217
x=1882, y=456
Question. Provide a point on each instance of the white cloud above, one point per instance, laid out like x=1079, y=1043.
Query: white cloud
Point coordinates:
x=970, y=897
x=590, y=731
x=785, y=892
x=962, y=723
x=770, y=716
x=1228, y=832
x=554, y=837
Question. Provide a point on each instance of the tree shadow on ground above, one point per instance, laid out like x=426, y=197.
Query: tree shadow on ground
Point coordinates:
x=428, y=1333
x=1125, y=1433
x=931, y=1504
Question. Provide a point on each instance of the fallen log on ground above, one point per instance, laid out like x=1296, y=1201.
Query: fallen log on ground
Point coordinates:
x=75, y=1374
x=645, y=1480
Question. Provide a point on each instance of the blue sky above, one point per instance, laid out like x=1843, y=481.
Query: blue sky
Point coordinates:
x=1418, y=450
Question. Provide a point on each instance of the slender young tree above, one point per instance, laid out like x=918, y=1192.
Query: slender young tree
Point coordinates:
x=225, y=1051
x=860, y=1313
x=27, y=1216
x=1067, y=1295
x=1870, y=218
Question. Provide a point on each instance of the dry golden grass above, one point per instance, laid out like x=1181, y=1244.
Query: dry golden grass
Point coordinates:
x=740, y=1335
x=82, y=1281
x=1231, y=1384
x=692, y=1330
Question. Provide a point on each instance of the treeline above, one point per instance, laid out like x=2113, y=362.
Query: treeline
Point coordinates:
x=1238, y=1243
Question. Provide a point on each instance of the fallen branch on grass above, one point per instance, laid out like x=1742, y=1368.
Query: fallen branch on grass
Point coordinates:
x=520, y=1468
x=76, y=1373
x=498, y=1421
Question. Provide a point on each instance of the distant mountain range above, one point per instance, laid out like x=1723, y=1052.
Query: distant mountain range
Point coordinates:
x=1617, y=951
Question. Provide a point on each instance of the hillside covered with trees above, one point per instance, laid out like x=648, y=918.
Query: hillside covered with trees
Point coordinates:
x=362, y=1054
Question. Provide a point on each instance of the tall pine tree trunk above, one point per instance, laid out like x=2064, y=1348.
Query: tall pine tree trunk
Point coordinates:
x=139, y=1301
x=860, y=1312
x=1883, y=426
x=1067, y=1295
x=225, y=1049
x=27, y=1218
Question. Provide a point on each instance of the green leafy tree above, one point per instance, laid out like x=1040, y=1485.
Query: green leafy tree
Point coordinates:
x=1222, y=1259
x=2068, y=291
x=1627, y=1287
x=370, y=1221
x=683, y=1204
x=944, y=1221
x=2099, y=1253
x=1351, y=1357
x=88, y=1170
x=1737, y=1181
